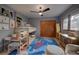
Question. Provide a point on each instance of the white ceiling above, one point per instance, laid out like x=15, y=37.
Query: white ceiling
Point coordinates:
x=55, y=9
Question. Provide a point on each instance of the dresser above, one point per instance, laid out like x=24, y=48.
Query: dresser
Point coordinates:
x=65, y=39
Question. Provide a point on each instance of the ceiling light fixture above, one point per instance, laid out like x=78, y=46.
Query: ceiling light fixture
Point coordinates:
x=40, y=14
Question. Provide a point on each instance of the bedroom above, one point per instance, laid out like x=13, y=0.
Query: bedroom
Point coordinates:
x=35, y=29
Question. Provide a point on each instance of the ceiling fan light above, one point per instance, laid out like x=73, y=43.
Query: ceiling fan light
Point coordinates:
x=40, y=13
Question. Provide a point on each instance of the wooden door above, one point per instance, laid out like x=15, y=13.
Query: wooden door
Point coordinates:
x=48, y=28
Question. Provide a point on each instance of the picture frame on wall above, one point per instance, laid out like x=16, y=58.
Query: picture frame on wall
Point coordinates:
x=4, y=22
x=11, y=14
x=12, y=23
x=4, y=12
x=7, y=13
x=18, y=21
x=5, y=26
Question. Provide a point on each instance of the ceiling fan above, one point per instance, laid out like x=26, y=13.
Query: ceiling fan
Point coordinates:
x=40, y=12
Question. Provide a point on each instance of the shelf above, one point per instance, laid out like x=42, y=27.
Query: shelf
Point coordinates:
x=15, y=40
x=28, y=29
x=14, y=44
x=4, y=23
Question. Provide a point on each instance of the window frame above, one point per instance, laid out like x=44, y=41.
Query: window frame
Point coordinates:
x=69, y=23
x=66, y=24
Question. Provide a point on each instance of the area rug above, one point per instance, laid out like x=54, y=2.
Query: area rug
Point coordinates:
x=38, y=46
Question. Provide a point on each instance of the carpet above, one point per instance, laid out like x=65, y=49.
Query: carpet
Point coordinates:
x=39, y=44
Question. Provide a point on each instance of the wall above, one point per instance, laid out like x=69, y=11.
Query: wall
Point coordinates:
x=36, y=22
x=5, y=33
x=71, y=10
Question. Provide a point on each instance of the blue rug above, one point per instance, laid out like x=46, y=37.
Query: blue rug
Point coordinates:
x=33, y=49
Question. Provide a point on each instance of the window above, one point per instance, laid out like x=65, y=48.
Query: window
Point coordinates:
x=74, y=22
x=65, y=24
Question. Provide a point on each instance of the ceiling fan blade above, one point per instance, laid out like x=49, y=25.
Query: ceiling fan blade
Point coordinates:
x=34, y=11
x=46, y=9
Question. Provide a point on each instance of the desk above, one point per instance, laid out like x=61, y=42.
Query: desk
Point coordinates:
x=67, y=36
x=69, y=39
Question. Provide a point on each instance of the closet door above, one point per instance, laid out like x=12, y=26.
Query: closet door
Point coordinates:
x=48, y=28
